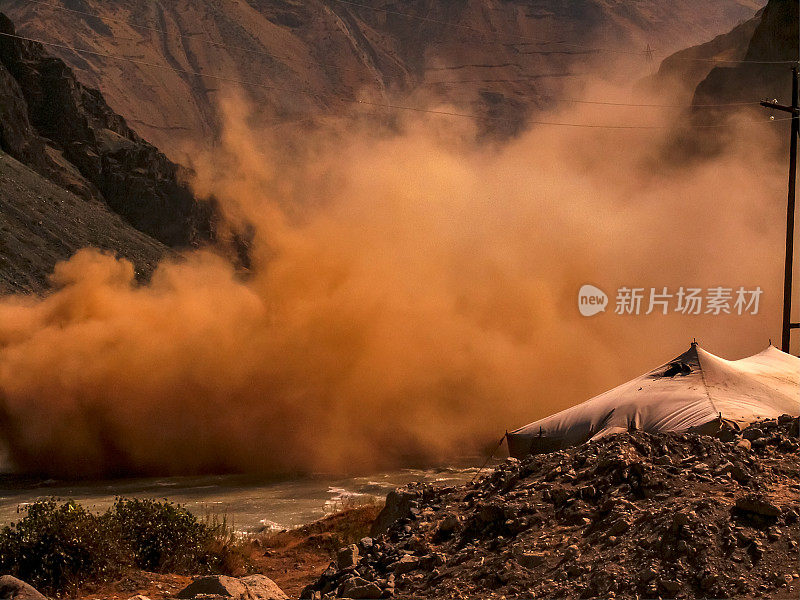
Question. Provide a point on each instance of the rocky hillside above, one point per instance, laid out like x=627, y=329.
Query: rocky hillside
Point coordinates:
x=774, y=39
x=497, y=58
x=42, y=224
x=73, y=174
x=771, y=35
x=632, y=515
x=683, y=71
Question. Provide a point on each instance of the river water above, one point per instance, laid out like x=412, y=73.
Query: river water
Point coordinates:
x=249, y=503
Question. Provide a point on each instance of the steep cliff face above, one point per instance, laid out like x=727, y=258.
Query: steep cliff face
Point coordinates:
x=683, y=71
x=775, y=38
x=502, y=58
x=41, y=224
x=67, y=133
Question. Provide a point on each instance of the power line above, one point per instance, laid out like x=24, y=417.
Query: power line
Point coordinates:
x=735, y=61
x=348, y=100
x=665, y=105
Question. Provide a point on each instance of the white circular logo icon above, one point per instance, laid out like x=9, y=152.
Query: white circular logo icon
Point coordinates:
x=591, y=300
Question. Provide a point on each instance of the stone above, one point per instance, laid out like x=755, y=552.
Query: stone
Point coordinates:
x=398, y=506
x=744, y=444
x=531, y=560
x=262, y=587
x=708, y=579
x=618, y=527
x=350, y=583
x=366, y=543
x=406, y=564
x=647, y=575
x=752, y=433
x=347, y=557
x=448, y=524
x=490, y=513
x=671, y=586
x=572, y=552
x=253, y=587
x=365, y=592
x=12, y=588
x=757, y=504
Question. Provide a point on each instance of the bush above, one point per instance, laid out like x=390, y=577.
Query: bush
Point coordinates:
x=161, y=536
x=57, y=548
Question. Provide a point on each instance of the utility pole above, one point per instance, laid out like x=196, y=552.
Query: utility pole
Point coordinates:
x=794, y=110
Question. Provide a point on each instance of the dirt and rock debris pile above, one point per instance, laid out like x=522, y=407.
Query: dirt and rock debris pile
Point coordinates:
x=632, y=515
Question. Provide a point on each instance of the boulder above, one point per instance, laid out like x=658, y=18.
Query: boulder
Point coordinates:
x=12, y=588
x=759, y=505
x=398, y=506
x=448, y=524
x=406, y=564
x=262, y=587
x=531, y=560
x=253, y=587
x=671, y=586
x=368, y=591
x=347, y=557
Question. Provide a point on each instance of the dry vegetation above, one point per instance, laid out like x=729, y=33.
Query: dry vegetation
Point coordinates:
x=291, y=558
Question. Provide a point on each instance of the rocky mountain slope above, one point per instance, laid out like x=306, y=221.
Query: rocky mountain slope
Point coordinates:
x=496, y=58
x=42, y=224
x=66, y=132
x=683, y=71
x=631, y=515
x=701, y=71
x=73, y=174
x=774, y=39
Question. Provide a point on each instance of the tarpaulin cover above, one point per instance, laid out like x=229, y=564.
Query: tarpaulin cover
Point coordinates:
x=696, y=391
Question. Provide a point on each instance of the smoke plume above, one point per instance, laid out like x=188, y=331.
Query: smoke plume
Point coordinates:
x=411, y=296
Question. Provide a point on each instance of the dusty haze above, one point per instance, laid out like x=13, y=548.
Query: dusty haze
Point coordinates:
x=411, y=297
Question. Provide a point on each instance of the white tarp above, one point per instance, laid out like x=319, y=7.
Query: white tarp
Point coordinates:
x=695, y=391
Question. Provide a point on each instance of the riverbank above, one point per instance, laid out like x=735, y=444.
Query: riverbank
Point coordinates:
x=292, y=558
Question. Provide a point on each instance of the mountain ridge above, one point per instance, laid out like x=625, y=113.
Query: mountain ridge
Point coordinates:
x=323, y=55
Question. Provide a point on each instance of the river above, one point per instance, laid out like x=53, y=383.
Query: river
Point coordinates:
x=249, y=503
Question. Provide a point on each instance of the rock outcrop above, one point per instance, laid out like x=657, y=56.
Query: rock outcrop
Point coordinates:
x=774, y=39
x=631, y=515
x=67, y=133
x=12, y=588
x=252, y=587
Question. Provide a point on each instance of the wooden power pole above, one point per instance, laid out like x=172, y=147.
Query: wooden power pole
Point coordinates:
x=794, y=109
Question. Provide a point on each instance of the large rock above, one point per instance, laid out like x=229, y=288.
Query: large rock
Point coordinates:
x=759, y=505
x=262, y=587
x=347, y=557
x=253, y=587
x=12, y=588
x=398, y=506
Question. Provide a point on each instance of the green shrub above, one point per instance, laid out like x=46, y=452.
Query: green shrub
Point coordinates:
x=162, y=536
x=55, y=547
